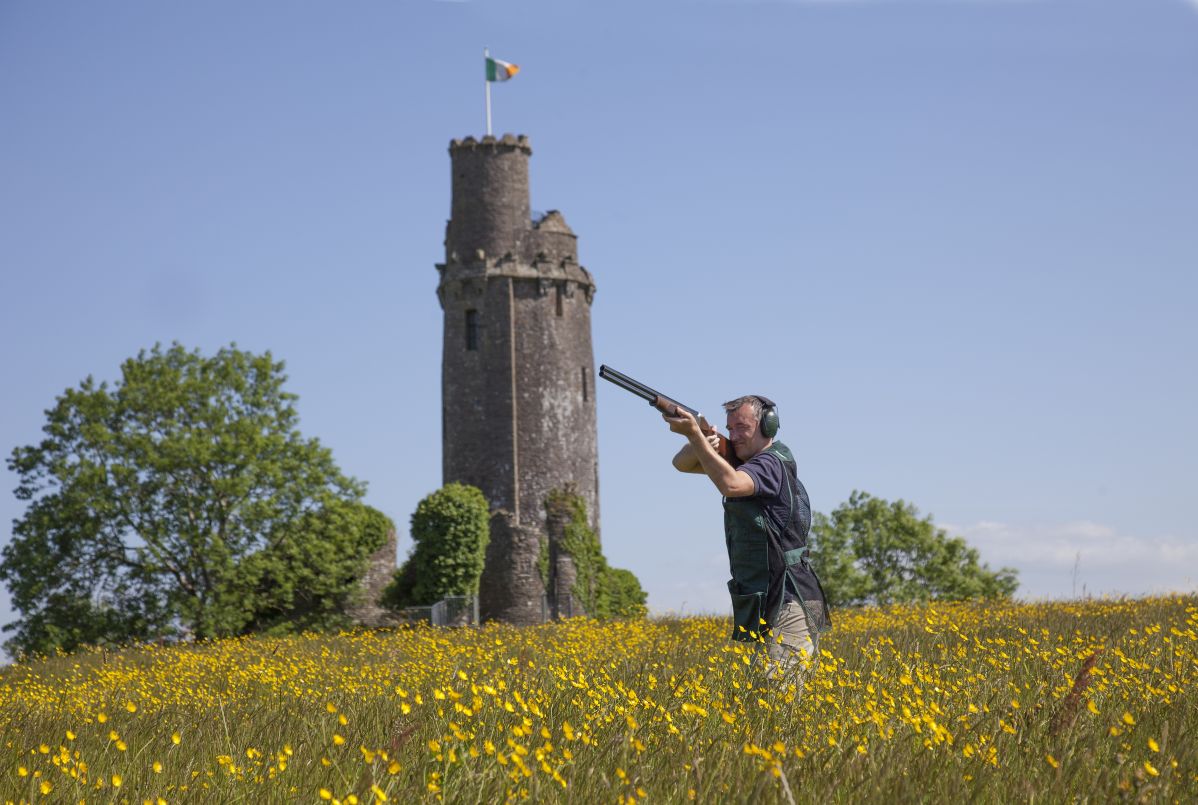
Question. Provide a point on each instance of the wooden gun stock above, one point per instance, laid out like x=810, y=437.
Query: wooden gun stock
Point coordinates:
x=725, y=449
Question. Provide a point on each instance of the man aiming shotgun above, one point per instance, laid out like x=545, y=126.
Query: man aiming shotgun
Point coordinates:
x=776, y=595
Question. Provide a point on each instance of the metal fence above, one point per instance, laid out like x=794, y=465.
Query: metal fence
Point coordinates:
x=462, y=610
x=458, y=610
x=565, y=608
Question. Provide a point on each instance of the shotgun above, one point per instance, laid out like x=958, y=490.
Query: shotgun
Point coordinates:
x=669, y=407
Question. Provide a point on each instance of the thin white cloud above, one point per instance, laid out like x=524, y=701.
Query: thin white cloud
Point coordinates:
x=1065, y=559
x=1054, y=560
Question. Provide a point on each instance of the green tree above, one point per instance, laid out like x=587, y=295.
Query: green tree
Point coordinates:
x=450, y=529
x=621, y=595
x=310, y=580
x=180, y=501
x=873, y=551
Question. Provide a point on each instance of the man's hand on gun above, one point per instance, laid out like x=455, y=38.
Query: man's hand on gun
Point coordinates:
x=689, y=426
x=683, y=422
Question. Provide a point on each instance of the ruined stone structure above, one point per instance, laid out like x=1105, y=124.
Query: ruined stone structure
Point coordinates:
x=366, y=609
x=518, y=370
x=562, y=574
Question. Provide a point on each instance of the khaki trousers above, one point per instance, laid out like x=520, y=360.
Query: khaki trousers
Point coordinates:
x=791, y=645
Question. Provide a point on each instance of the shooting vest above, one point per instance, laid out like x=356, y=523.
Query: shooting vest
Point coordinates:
x=767, y=558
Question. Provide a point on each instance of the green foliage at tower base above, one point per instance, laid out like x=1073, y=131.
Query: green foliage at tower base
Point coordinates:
x=603, y=591
x=451, y=530
x=872, y=551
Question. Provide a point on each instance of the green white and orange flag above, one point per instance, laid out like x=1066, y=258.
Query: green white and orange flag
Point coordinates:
x=500, y=70
x=496, y=71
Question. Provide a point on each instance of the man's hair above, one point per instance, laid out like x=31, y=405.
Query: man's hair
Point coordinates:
x=750, y=400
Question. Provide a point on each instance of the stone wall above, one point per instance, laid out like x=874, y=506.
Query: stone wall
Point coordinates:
x=366, y=609
x=511, y=589
x=562, y=602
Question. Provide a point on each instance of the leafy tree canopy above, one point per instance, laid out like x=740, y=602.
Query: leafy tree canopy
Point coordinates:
x=873, y=551
x=451, y=530
x=180, y=501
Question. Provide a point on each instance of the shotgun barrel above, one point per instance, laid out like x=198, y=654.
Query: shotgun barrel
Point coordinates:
x=640, y=389
x=669, y=407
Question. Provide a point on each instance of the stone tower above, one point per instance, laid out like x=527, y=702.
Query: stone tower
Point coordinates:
x=517, y=367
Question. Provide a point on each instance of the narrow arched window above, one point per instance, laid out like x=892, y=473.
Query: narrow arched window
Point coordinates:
x=472, y=329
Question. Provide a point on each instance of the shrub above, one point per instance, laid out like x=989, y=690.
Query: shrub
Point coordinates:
x=450, y=529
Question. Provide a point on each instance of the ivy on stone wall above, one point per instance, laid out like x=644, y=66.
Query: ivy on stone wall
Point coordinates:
x=603, y=591
x=543, y=563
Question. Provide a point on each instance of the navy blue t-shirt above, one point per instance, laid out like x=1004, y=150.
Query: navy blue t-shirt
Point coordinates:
x=769, y=482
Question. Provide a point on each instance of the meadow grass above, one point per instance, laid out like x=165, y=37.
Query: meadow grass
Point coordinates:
x=987, y=702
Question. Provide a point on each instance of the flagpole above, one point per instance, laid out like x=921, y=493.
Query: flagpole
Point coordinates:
x=487, y=55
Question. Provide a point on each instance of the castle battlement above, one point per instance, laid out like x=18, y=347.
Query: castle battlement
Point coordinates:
x=464, y=281
x=507, y=142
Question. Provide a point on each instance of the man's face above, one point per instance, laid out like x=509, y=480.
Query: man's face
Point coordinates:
x=744, y=434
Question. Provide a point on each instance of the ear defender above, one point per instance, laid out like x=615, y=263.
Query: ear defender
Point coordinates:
x=769, y=422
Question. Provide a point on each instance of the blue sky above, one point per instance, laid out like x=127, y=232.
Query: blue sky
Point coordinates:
x=955, y=240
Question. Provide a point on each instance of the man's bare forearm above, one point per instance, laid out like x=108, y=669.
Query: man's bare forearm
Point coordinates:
x=726, y=479
x=731, y=482
x=686, y=461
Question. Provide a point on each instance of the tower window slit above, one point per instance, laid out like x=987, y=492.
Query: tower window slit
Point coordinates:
x=560, y=294
x=584, y=384
x=471, y=329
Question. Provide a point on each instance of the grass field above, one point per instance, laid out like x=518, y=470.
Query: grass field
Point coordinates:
x=1090, y=701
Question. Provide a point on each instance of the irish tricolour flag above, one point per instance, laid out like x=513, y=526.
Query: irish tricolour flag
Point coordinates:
x=500, y=70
